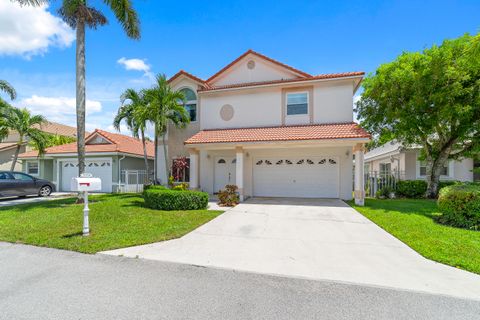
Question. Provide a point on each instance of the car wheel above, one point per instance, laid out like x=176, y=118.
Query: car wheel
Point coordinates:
x=45, y=191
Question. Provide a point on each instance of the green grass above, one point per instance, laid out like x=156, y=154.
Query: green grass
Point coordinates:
x=116, y=221
x=411, y=221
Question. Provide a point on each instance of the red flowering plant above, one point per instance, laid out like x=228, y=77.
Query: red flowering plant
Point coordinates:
x=178, y=168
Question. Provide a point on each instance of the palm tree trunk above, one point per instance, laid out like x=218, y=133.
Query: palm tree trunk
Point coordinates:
x=166, y=157
x=15, y=156
x=155, y=159
x=145, y=154
x=80, y=89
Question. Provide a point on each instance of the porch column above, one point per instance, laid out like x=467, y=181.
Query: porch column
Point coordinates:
x=239, y=172
x=194, y=168
x=359, y=191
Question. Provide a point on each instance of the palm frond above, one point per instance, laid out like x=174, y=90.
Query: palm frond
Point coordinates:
x=126, y=16
x=72, y=11
x=34, y=3
x=8, y=89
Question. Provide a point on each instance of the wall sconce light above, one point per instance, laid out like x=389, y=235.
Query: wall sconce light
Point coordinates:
x=347, y=153
x=247, y=154
x=208, y=156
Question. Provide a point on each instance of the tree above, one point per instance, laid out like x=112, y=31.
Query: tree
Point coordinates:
x=52, y=140
x=164, y=107
x=25, y=125
x=79, y=15
x=34, y=3
x=131, y=111
x=430, y=99
x=8, y=89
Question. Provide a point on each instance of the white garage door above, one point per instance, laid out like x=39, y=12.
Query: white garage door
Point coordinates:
x=98, y=168
x=304, y=177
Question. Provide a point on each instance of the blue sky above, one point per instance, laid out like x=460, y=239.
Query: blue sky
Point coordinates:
x=38, y=52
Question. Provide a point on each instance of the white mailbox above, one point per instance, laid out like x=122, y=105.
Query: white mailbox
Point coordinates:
x=86, y=184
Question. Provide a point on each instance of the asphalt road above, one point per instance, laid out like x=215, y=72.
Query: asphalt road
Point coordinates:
x=40, y=283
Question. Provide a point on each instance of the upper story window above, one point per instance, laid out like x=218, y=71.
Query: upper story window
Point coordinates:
x=297, y=103
x=191, y=103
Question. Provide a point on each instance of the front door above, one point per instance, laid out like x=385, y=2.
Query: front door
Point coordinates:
x=225, y=172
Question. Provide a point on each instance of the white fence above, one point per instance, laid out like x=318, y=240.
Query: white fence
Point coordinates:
x=375, y=181
x=133, y=180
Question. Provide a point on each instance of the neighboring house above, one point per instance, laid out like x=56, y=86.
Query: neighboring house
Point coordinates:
x=394, y=159
x=107, y=155
x=7, y=146
x=271, y=129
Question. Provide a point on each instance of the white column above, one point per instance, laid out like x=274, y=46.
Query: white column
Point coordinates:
x=194, y=164
x=239, y=172
x=359, y=175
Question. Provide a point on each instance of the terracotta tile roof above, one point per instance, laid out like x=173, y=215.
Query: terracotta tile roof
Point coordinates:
x=260, y=83
x=59, y=129
x=261, y=56
x=191, y=76
x=7, y=145
x=120, y=143
x=282, y=133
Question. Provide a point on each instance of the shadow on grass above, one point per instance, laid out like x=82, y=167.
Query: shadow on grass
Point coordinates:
x=72, y=235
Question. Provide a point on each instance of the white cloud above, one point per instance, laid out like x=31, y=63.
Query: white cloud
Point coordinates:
x=136, y=65
x=58, y=109
x=29, y=31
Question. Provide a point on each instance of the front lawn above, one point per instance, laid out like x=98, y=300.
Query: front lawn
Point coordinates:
x=116, y=221
x=410, y=220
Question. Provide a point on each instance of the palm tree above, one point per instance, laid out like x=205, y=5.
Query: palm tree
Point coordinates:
x=131, y=111
x=25, y=125
x=79, y=15
x=34, y=3
x=8, y=89
x=164, y=107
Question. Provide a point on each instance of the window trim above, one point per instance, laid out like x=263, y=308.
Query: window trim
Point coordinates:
x=286, y=104
x=38, y=165
x=191, y=102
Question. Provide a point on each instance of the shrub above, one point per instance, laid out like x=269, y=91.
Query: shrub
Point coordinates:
x=165, y=199
x=229, y=196
x=411, y=188
x=154, y=187
x=384, y=193
x=418, y=188
x=459, y=205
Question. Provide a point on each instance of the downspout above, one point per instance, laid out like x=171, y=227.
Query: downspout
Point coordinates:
x=120, y=172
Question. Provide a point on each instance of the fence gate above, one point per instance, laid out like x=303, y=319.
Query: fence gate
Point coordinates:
x=133, y=180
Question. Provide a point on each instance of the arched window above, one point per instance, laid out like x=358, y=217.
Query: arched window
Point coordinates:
x=190, y=103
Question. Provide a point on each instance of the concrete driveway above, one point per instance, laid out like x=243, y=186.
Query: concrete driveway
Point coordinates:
x=315, y=239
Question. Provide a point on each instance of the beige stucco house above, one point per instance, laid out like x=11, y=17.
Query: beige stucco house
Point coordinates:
x=271, y=129
x=394, y=159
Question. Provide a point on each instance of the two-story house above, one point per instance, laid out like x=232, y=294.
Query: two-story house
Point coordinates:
x=270, y=129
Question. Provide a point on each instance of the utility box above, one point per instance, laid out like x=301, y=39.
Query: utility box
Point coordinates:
x=86, y=184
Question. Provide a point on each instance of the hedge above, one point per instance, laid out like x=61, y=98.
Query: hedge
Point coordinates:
x=417, y=188
x=166, y=199
x=460, y=205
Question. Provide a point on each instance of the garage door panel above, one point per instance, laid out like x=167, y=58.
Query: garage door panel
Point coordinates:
x=98, y=168
x=307, y=177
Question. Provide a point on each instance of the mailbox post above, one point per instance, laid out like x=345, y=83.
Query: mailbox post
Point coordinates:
x=84, y=184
